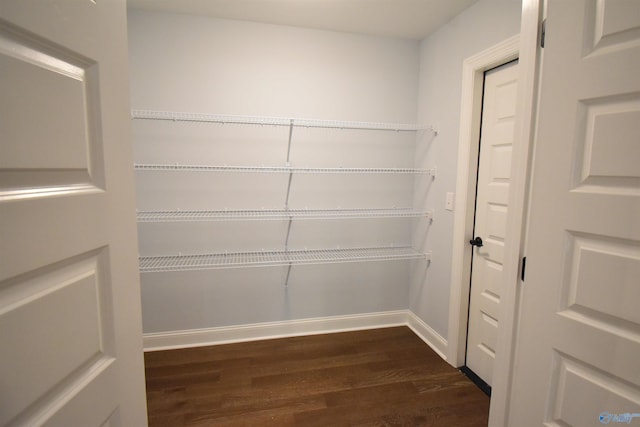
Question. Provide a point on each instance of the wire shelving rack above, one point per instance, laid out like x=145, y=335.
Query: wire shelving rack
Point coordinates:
x=278, y=214
x=150, y=264
x=285, y=257
x=278, y=169
x=276, y=121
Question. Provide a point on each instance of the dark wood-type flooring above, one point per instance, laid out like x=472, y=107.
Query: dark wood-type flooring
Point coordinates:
x=380, y=377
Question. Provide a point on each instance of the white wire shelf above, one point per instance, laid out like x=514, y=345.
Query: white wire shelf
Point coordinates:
x=278, y=169
x=278, y=214
x=276, y=258
x=276, y=121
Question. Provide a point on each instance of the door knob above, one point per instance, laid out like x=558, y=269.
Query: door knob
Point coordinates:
x=476, y=242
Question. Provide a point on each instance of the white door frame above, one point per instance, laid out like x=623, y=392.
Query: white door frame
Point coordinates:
x=473, y=70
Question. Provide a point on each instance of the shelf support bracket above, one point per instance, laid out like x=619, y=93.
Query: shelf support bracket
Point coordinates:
x=290, y=139
x=286, y=280
x=286, y=203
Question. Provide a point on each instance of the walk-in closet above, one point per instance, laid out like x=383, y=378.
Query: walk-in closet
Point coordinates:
x=293, y=180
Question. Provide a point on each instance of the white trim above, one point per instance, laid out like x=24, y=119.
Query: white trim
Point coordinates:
x=427, y=334
x=518, y=203
x=473, y=70
x=292, y=328
x=271, y=330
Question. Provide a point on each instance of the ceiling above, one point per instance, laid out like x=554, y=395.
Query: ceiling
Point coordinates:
x=410, y=19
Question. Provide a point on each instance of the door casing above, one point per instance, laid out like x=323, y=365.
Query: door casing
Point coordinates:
x=468, y=150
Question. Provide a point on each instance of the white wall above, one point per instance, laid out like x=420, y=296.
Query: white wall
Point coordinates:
x=481, y=26
x=199, y=64
x=231, y=67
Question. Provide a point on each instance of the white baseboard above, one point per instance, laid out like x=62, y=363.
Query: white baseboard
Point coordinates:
x=263, y=331
x=428, y=335
x=291, y=328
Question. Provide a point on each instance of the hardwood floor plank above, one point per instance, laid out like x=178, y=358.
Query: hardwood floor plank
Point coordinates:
x=442, y=381
x=248, y=420
x=159, y=383
x=182, y=369
x=378, y=394
x=273, y=366
x=173, y=420
x=405, y=411
x=167, y=402
x=264, y=408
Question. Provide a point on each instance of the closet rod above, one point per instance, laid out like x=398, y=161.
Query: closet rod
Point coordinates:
x=276, y=121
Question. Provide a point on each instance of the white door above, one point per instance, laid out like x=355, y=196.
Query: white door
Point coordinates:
x=70, y=324
x=494, y=171
x=577, y=357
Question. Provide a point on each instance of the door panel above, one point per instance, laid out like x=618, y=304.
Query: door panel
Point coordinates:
x=70, y=322
x=494, y=171
x=578, y=341
x=607, y=147
x=578, y=383
x=43, y=79
x=611, y=25
x=58, y=310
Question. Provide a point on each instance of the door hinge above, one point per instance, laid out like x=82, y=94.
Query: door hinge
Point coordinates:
x=543, y=32
x=524, y=266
